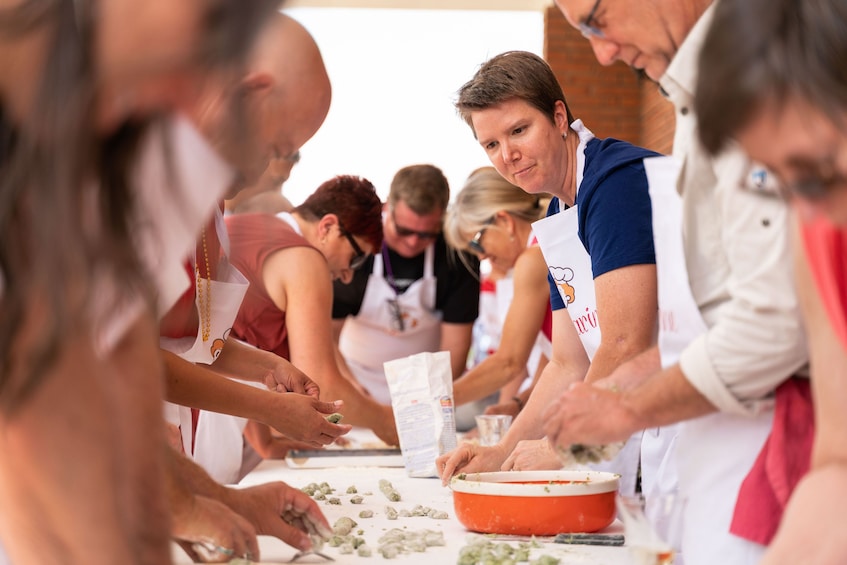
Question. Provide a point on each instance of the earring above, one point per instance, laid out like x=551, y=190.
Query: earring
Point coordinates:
x=564, y=135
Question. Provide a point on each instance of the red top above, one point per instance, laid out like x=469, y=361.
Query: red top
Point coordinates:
x=253, y=238
x=826, y=250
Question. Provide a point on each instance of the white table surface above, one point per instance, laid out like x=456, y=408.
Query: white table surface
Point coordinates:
x=414, y=491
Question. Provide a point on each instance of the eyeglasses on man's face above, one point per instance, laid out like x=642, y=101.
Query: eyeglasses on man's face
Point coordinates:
x=408, y=232
x=815, y=186
x=588, y=27
x=360, y=256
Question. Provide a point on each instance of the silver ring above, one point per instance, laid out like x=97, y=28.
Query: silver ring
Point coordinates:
x=224, y=550
x=207, y=550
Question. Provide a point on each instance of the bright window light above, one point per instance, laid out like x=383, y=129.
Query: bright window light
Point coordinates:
x=395, y=74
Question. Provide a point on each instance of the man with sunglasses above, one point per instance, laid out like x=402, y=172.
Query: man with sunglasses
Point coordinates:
x=736, y=248
x=412, y=296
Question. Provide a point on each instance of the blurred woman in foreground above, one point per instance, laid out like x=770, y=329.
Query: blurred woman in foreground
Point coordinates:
x=80, y=387
x=773, y=78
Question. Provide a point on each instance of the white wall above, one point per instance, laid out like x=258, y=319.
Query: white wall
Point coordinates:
x=394, y=75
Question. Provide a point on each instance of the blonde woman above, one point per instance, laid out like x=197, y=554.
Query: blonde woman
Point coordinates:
x=492, y=218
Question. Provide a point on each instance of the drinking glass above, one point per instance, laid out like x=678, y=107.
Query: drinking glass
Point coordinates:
x=645, y=545
x=492, y=427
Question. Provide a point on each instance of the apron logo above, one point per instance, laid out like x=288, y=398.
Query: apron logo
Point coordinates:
x=586, y=322
x=218, y=344
x=563, y=276
x=759, y=177
x=667, y=321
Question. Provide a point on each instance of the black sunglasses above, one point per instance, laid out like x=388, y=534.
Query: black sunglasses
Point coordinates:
x=360, y=257
x=406, y=232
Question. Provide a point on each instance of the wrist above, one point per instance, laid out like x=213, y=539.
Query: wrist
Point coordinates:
x=517, y=400
x=633, y=418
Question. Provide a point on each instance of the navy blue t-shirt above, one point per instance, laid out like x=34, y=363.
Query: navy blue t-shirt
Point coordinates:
x=613, y=208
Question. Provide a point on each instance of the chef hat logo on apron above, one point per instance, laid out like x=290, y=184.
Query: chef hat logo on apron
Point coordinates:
x=563, y=276
x=218, y=344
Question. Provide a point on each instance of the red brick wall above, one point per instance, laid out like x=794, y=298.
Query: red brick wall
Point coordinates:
x=612, y=101
x=657, y=119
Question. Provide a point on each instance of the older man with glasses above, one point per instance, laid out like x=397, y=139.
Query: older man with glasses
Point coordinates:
x=735, y=242
x=410, y=297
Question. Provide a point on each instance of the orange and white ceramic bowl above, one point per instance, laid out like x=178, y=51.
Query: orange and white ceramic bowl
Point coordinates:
x=535, y=503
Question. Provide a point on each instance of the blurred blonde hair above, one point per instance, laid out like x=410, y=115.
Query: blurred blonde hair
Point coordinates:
x=484, y=194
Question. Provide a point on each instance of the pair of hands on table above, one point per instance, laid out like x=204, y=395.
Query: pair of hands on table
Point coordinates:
x=218, y=531
x=589, y=414
x=303, y=418
x=279, y=510
x=586, y=413
x=474, y=458
x=212, y=532
x=299, y=413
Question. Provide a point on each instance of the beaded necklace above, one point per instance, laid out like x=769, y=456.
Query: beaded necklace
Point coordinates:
x=204, y=299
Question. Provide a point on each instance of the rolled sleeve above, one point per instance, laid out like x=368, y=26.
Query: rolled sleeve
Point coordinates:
x=755, y=339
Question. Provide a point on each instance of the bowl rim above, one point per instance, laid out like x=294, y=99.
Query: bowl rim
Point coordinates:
x=511, y=483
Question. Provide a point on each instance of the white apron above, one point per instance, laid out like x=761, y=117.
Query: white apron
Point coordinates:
x=217, y=444
x=570, y=266
x=679, y=323
x=714, y=453
x=368, y=340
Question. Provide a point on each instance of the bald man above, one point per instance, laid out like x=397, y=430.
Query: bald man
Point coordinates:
x=267, y=111
x=286, y=95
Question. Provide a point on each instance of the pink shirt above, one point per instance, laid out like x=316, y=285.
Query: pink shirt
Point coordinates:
x=826, y=250
x=253, y=238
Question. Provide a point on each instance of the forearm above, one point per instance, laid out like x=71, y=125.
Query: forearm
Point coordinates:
x=521, y=398
x=186, y=480
x=456, y=338
x=510, y=390
x=828, y=366
x=627, y=305
x=244, y=361
x=486, y=378
x=635, y=371
x=608, y=358
x=665, y=398
x=197, y=386
x=554, y=380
